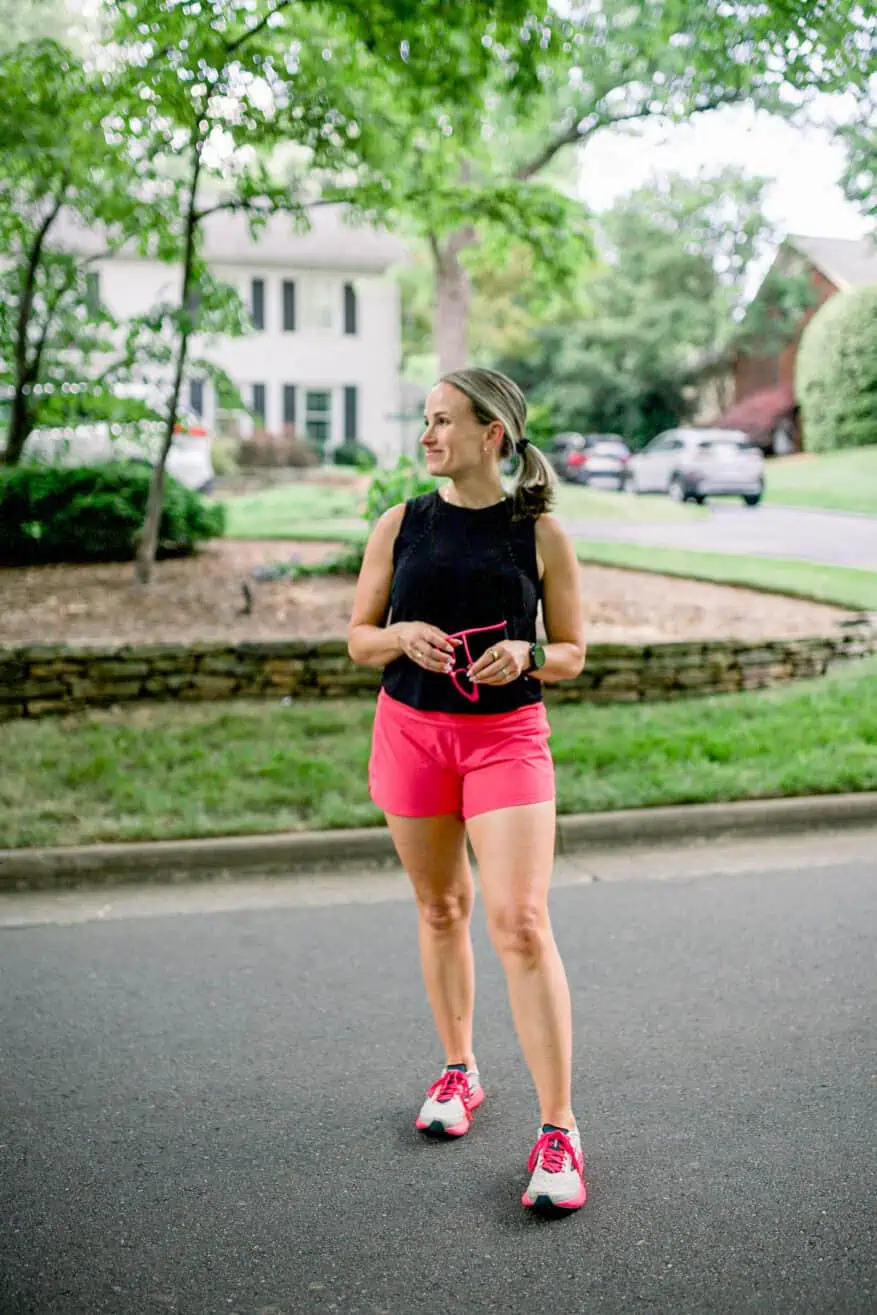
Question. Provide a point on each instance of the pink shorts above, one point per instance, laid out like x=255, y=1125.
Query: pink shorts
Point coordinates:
x=424, y=764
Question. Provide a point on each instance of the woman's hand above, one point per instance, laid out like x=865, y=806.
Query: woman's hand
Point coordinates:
x=501, y=664
x=426, y=645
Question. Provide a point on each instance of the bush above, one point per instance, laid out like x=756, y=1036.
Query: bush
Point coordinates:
x=269, y=451
x=836, y=373
x=405, y=480
x=355, y=454
x=94, y=514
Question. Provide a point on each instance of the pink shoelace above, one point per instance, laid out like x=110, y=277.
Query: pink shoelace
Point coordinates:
x=451, y=1084
x=554, y=1147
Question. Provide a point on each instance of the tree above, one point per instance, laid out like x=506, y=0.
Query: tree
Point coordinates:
x=609, y=65
x=61, y=353
x=836, y=372
x=672, y=290
x=34, y=20
x=223, y=86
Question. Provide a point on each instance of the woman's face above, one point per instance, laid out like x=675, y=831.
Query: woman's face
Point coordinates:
x=454, y=442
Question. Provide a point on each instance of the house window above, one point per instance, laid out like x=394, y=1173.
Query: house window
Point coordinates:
x=318, y=311
x=349, y=308
x=257, y=303
x=288, y=306
x=289, y=405
x=196, y=396
x=351, y=422
x=318, y=416
x=259, y=405
x=92, y=292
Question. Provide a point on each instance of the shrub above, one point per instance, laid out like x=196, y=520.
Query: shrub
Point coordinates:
x=265, y=450
x=355, y=454
x=836, y=373
x=405, y=480
x=94, y=514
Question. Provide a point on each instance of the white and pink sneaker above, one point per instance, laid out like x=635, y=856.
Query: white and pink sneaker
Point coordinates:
x=558, y=1168
x=451, y=1103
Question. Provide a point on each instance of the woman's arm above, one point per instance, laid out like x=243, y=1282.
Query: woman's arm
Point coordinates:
x=561, y=611
x=561, y=604
x=372, y=643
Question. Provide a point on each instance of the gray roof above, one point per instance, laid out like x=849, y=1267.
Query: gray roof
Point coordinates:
x=848, y=263
x=332, y=243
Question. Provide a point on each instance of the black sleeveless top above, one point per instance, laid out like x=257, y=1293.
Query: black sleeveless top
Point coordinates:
x=464, y=569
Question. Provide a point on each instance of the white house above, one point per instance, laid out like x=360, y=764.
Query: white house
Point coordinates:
x=324, y=355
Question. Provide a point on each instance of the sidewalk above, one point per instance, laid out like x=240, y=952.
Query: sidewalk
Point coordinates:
x=288, y=853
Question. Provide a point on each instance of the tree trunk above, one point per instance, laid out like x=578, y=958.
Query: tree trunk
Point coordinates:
x=451, y=299
x=19, y=431
x=147, y=540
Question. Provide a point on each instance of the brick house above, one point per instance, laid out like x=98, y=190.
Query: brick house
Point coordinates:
x=763, y=386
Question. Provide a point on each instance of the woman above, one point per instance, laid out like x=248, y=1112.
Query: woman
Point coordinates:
x=460, y=741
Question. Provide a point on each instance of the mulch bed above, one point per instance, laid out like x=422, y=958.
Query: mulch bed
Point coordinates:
x=202, y=598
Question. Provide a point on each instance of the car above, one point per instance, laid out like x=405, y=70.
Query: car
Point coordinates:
x=696, y=464
x=189, y=459
x=577, y=458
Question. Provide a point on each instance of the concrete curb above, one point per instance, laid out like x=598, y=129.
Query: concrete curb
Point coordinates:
x=313, y=851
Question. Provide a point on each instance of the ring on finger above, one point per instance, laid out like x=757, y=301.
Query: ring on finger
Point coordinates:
x=494, y=653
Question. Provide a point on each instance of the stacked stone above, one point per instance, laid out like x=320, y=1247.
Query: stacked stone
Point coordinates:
x=46, y=679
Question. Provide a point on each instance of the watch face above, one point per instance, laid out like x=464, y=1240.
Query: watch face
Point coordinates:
x=537, y=656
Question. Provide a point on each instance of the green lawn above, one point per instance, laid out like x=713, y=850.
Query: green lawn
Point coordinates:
x=163, y=771
x=845, y=585
x=314, y=511
x=843, y=481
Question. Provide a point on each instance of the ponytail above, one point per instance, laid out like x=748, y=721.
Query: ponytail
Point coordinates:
x=496, y=397
x=535, y=484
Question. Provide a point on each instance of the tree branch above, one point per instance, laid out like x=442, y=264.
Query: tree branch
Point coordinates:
x=578, y=133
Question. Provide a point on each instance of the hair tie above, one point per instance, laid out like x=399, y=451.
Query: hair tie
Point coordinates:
x=523, y=444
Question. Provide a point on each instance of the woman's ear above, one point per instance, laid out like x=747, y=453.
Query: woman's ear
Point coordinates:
x=494, y=436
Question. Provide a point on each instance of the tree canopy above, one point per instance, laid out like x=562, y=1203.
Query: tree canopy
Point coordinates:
x=836, y=372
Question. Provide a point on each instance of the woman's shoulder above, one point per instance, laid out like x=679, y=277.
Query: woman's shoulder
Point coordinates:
x=552, y=540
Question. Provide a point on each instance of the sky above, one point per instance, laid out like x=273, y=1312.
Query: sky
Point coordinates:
x=802, y=163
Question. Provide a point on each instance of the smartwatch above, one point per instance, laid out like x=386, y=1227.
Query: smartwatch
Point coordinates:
x=537, y=659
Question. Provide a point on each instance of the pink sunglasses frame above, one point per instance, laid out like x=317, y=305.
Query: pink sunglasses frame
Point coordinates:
x=474, y=694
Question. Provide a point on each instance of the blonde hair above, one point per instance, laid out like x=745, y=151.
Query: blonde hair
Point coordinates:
x=496, y=397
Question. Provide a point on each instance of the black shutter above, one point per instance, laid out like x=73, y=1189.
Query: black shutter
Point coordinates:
x=351, y=420
x=196, y=396
x=259, y=403
x=288, y=306
x=289, y=404
x=349, y=308
x=92, y=292
x=258, y=303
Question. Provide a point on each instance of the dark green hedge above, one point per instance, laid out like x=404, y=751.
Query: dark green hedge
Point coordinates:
x=94, y=514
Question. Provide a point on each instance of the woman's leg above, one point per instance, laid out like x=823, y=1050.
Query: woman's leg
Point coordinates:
x=433, y=852
x=514, y=848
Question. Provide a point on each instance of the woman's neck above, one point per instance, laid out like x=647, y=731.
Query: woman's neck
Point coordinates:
x=473, y=492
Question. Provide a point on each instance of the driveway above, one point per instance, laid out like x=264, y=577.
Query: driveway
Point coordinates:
x=831, y=537
x=208, y=1092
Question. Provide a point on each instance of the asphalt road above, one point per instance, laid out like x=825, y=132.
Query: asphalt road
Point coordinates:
x=831, y=537
x=208, y=1096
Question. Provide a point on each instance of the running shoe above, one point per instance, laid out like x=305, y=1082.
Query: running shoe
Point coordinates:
x=451, y=1102
x=558, y=1168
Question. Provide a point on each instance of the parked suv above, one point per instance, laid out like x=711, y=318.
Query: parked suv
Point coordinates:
x=697, y=464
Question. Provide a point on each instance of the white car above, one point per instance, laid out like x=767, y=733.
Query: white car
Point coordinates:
x=696, y=464
x=189, y=460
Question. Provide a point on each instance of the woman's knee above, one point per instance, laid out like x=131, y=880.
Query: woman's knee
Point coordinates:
x=447, y=910
x=521, y=931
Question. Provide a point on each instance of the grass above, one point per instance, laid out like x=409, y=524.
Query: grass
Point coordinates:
x=313, y=511
x=845, y=585
x=840, y=481
x=163, y=771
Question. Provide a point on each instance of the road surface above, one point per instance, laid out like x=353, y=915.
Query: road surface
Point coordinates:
x=831, y=537
x=208, y=1094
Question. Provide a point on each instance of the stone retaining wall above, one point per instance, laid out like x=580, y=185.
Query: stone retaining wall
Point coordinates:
x=44, y=679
